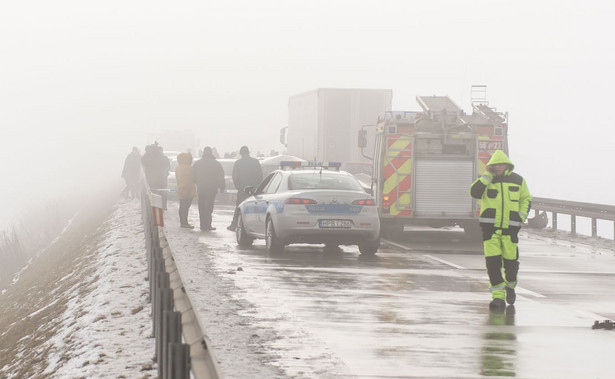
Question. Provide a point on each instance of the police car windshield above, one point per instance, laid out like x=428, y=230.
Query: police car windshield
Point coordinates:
x=324, y=180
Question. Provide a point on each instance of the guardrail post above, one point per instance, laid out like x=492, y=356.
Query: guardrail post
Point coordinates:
x=573, y=225
x=165, y=303
x=157, y=267
x=154, y=242
x=179, y=357
x=594, y=227
x=554, y=220
x=162, y=300
x=171, y=333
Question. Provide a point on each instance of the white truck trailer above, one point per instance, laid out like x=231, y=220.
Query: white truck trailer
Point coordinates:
x=323, y=124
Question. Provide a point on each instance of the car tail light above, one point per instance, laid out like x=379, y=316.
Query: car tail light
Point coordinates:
x=296, y=200
x=364, y=202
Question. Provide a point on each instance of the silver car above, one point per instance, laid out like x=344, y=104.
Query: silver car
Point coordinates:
x=312, y=205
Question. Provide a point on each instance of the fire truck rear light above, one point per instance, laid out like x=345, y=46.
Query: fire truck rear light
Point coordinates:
x=386, y=201
x=364, y=202
x=296, y=200
x=386, y=204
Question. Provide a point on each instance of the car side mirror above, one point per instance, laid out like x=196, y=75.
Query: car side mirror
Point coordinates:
x=249, y=190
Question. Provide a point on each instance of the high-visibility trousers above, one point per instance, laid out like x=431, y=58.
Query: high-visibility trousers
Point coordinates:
x=502, y=260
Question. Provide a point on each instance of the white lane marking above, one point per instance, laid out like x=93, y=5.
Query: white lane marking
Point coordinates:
x=397, y=245
x=589, y=314
x=524, y=291
x=443, y=261
x=520, y=290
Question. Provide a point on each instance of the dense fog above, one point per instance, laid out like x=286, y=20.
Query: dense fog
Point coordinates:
x=82, y=83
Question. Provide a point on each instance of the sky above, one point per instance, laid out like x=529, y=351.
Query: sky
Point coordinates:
x=83, y=82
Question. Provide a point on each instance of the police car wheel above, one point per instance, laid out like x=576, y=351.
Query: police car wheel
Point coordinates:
x=243, y=239
x=274, y=245
x=368, y=249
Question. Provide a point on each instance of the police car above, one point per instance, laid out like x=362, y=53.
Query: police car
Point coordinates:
x=307, y=202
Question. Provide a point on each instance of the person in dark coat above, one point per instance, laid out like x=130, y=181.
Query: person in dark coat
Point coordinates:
x=246, y=172
x=131, y=174
x=156, y=167
x=185, y=187
x=208, y=175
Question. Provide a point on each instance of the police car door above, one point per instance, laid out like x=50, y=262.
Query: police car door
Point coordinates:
x=266, y=201
x=249, y=208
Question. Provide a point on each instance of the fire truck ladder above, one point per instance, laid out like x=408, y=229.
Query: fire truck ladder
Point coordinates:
x=440, y=109
x=478, y=94
x=480, y=105
x=490, y=114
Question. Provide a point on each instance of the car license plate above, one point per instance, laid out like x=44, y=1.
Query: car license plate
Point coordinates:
x=334, y=223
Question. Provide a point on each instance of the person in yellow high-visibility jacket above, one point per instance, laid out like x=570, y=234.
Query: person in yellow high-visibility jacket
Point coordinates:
x=505, y=204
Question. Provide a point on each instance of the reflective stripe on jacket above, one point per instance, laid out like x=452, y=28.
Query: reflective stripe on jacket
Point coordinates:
x=505, y=200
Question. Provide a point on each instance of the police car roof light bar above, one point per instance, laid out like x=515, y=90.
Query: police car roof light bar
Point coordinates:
x=299, y=164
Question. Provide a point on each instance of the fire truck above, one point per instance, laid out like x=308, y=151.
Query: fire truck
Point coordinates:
x=425, y=161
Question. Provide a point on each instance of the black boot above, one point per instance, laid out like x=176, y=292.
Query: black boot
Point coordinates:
x=497, y=305
x=511, y=296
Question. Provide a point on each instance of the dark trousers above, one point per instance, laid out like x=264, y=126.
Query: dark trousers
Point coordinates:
x=132, y=188
x=241, y=196
x=184, y=207
x=206, y=207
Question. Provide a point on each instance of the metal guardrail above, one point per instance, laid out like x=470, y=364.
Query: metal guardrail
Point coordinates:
x=172, y=311
x=575, y=209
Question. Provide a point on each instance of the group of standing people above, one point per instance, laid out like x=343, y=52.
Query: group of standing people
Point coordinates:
x=156, y=166
x=205, y=178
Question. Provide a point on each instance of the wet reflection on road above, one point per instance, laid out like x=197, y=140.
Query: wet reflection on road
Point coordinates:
x=500, y=349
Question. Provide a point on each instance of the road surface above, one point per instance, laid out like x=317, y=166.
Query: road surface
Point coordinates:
x=418, y=309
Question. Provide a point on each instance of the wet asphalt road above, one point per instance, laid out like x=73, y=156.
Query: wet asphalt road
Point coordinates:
x=420, y=307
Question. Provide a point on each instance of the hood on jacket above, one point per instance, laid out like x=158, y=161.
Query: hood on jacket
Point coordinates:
x=184, y=158
x=207, y=152
x=499, y=157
